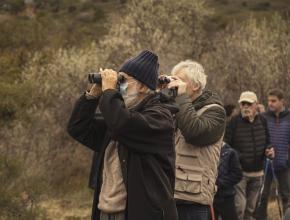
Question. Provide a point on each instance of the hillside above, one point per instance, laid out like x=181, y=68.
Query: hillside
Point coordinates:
x=47, y=47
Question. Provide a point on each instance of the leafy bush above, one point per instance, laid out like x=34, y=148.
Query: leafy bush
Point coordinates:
x=13, y=6
x=250, y=56
x=18, y=201
x=173, y=29
x=42, y=141
x=262, y=6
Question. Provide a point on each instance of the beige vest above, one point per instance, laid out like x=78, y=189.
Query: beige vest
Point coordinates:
x=196, y=169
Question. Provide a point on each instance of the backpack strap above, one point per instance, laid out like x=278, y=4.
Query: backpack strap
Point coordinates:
x=206, y=107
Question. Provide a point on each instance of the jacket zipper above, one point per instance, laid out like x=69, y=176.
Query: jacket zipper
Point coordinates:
x=254, y=140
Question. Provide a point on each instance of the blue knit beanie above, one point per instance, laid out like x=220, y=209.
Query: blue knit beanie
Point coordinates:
x=144, y=68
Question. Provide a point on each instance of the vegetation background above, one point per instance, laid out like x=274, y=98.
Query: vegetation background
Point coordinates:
x=47, y=47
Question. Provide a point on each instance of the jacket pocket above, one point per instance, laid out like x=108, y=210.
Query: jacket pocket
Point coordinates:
x=185, y=149
x=188, y=180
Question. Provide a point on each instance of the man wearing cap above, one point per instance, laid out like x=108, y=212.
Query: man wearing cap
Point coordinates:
x=134, y=138
x=248, y=134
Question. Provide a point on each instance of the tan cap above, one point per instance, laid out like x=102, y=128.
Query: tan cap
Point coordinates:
x=248, y=96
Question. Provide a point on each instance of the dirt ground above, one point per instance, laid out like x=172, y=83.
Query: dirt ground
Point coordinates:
x=68, y=209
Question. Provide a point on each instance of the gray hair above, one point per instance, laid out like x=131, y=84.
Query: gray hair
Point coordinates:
x=193, y=70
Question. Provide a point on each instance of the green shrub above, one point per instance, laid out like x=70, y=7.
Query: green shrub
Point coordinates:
x=13, y=6
x=18, y=199
x=262, y=6
x=253, y=55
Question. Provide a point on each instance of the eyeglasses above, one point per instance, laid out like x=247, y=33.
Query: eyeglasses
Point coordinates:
x=126, y=78
x=246, y=103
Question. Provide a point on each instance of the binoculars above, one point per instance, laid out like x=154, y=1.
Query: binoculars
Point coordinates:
x=97, y=79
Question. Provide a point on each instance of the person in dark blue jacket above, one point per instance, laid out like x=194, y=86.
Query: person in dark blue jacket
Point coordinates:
x=230, y=173
x=278, y=120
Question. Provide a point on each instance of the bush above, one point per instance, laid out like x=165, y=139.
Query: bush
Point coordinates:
x=42, y=142
x=15, y=98
x=17, y=201
x=262, y=6
x=172, y=29
x=22, y=33
x=250, y=56
x=13, y=6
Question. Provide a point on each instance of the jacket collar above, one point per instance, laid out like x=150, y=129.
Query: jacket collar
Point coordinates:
x=157, y=99
x=281, y=114
x=206, y=98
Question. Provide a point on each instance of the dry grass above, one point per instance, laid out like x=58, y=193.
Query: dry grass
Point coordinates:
x=273, y=210
x=66, y=210
x=80, y=209
x=76, y=207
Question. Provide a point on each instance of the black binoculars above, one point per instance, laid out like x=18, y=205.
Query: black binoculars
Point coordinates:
x=97, y=78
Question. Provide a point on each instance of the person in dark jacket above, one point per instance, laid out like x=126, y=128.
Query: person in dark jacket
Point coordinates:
x=248, y=134
x=201, y=124
x=229, y=174
x=134, y=138
x=278, y=118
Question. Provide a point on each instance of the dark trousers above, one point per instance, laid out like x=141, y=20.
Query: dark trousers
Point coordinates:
x=193, y=212
x=225, y=208
x=113, y=216
x=284, y=191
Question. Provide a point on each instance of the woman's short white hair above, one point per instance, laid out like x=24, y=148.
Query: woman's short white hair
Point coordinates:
x=193, y=70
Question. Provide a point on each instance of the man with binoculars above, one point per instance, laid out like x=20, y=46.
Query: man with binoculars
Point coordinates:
x=134, y=138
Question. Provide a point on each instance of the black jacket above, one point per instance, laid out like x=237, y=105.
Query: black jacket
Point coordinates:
x=250, y=141
x=146, y=150
x=201, y=130
x=229, y=172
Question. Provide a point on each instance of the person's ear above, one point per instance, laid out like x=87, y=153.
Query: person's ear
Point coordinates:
x=143, y=88
x=195, y=87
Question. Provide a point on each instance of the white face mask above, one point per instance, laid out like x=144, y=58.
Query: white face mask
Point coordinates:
x=131, y=98
x=123, y=88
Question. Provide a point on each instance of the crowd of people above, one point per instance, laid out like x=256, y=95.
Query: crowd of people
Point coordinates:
x=186, y=157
